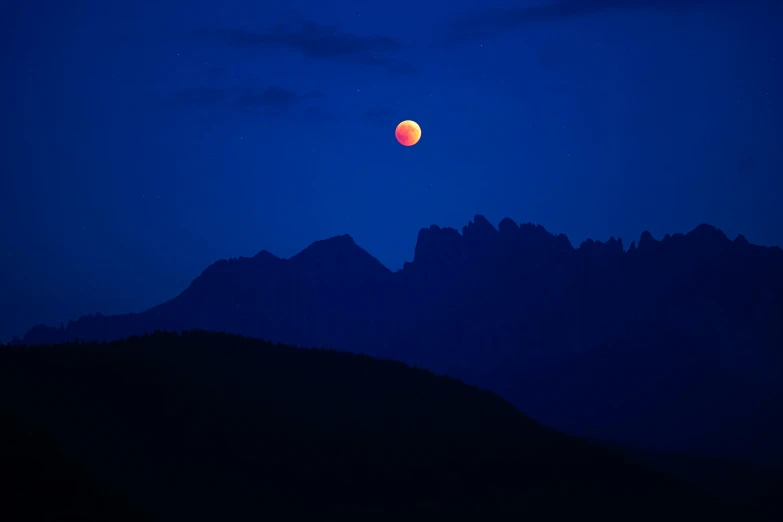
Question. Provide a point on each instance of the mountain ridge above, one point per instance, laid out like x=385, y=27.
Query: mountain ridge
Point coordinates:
x=435, y=246
x=511, y=308
x=427, y=239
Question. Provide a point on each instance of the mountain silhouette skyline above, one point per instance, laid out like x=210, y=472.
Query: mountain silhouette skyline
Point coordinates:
x=671, y=343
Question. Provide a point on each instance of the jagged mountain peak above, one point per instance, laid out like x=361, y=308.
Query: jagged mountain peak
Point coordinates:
x=600, y=248
x=340, y=246
x=437, y=245
x=332, y=243
x=479, y=227
x=266, y=254
x=338, y=254
x=703, y=237
x=705, y=232
x=446, y=245
x=508, y=227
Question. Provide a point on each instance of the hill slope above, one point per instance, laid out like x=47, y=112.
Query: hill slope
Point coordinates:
x=216, y=427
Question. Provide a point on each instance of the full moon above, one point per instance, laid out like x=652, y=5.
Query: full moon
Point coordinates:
x=408, y=133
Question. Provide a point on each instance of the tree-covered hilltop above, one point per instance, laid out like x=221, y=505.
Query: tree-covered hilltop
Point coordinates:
x=208, y=426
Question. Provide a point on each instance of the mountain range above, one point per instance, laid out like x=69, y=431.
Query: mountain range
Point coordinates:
x=673, y=344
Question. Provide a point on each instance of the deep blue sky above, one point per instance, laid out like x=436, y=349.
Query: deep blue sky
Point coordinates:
x=141, y=142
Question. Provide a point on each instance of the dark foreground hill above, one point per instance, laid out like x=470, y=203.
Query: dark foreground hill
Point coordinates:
x=745, y=484
x=673, y=344
x=216, y=427
x=39, y=483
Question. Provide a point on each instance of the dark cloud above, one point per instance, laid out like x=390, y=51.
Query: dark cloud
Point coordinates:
x=381, y=116
x=487, y=22
x=273, y=98
x=317, y=41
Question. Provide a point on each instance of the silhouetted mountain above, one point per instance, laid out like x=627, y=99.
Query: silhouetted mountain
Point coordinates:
x=207, y=426
x=674, y=343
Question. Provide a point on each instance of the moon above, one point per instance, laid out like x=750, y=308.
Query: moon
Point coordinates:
x=408, y=133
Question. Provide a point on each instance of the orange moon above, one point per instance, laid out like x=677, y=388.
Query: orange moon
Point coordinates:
x=408, y=133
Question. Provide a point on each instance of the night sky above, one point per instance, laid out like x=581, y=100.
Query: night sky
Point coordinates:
x=140, y=142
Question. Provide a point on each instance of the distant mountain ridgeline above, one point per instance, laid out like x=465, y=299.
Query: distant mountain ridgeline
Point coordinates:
x=207, y=426
x=674, y=343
